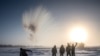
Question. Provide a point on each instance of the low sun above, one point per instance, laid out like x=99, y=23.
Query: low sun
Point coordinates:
x=78, y=34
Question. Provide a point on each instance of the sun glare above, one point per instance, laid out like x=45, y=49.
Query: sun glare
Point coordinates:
x=78, y=34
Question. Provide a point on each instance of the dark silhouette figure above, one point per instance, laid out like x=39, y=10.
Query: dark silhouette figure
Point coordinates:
x=73, y=49
x=62, y=50
x=68, y=49
x=23, y=52
x=54, y=50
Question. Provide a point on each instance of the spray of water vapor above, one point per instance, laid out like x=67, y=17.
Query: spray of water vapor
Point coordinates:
x=33, y=20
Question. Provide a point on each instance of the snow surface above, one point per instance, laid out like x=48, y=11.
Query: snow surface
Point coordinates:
x=47, y=52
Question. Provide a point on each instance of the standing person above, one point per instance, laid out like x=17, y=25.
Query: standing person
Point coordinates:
x=54, y=50
x=23, y=52
x=68, y=50
x=62, y=50
x=73, y=49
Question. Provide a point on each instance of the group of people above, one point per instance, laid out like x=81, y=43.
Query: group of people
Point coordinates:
x=70, y=50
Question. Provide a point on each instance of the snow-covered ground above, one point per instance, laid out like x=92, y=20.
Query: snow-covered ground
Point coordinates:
x=47, y=52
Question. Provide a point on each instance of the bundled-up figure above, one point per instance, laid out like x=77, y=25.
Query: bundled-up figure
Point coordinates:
x=62, y=50
x=73, y=49
x=54, y=50
x=23, y=52
x=68, y=50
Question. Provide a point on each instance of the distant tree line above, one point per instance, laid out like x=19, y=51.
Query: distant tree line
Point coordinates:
x=2, y=45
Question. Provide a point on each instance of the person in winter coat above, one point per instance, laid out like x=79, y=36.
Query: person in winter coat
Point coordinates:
x=73, y=49
x=62, y=50
x=23, y=52
x=68, y=50
x=54, y=50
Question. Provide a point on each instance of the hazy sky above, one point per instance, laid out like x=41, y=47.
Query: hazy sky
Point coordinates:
x=61, y=16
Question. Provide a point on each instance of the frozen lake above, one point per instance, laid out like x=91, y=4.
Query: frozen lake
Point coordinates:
x=47, y=52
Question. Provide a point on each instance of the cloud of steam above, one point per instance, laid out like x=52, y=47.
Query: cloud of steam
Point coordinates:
x=33, y=20
x=42, y=28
